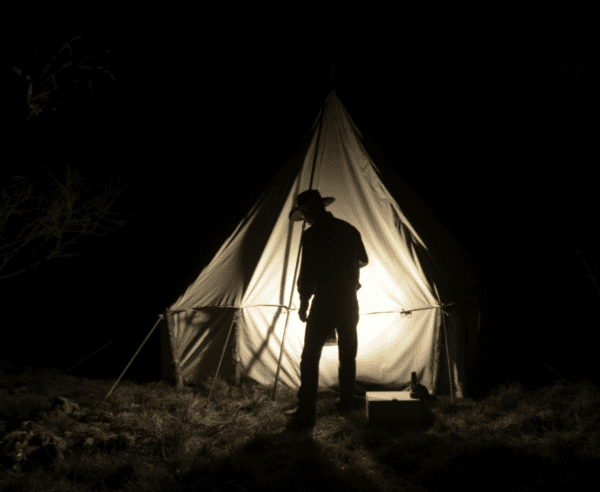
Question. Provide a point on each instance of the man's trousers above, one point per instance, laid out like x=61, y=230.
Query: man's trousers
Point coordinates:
x=329, y=311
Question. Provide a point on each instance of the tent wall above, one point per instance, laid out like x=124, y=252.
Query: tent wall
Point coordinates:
x=462, y=274
x=199, y=338
x=463, y=346
x=255, y=341
x=414, y=265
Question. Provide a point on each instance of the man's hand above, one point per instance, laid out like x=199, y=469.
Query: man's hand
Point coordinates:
x=302, y=311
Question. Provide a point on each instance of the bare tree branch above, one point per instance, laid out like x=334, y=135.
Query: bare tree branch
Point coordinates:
x=576, y=60
x=57, y=224
x=33, y=233
x=41, y=89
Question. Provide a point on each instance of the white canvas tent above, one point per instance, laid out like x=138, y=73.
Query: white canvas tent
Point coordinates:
x=233, y=317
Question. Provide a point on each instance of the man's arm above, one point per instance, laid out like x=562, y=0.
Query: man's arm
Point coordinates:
x=363, y=259
x=305, y=277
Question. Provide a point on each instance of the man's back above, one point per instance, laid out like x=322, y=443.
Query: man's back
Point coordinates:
x=332, y=254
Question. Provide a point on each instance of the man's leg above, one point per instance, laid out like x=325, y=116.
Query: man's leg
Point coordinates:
x=347, y=347
x=318, y=326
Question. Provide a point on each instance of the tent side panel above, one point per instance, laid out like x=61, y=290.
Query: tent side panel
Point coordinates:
x=455, y=349
x=200, y=341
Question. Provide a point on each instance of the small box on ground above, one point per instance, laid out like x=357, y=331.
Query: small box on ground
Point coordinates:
x=393, y=407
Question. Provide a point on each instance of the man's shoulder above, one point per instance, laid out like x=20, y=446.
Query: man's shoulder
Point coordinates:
x=344, y=225
x=332, y=222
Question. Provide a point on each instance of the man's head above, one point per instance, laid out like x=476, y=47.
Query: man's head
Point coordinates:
x=313, y=212
x=310, y=206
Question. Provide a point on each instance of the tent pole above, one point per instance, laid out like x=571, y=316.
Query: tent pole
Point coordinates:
x=160, y=316
x=312, y=174
x=287, y=318
x=448, y=357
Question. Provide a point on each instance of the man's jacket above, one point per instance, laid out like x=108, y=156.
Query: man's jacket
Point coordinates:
x=332, y=255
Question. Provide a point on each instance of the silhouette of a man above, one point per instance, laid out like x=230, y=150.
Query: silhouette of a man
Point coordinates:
x=332, y=255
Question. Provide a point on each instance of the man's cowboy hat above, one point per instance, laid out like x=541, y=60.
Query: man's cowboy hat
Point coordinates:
x=306, y=199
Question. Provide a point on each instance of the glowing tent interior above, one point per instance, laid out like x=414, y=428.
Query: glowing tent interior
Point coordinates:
x=417, y=307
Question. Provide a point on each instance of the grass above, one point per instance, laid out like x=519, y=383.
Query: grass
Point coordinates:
x=149, y=437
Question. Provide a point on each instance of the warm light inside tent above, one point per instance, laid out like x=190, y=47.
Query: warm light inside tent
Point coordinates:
x=252, y=281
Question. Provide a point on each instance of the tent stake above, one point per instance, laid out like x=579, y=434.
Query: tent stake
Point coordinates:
x=88, y=357
x=160, y=316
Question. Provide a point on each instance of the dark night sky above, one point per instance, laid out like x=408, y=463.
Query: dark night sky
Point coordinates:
x=498, y=146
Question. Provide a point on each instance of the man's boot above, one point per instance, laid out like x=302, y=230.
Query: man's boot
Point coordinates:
x=303, y=417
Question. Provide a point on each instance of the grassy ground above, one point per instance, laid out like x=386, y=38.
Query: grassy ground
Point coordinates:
x=152, y=438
